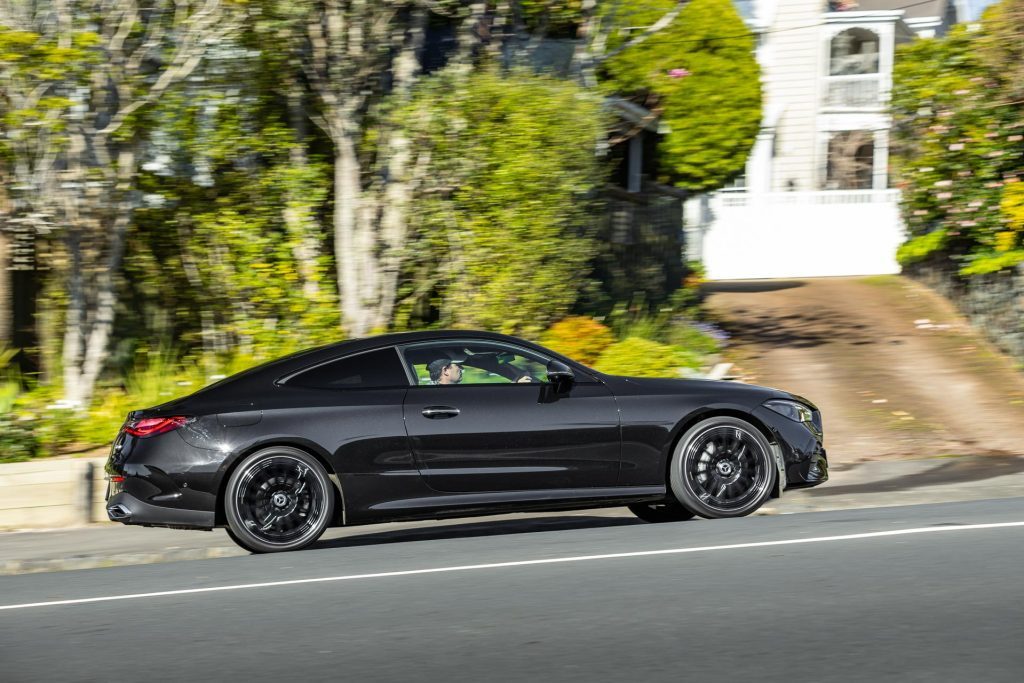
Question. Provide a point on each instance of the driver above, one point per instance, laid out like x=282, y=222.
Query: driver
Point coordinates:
x=445, y=371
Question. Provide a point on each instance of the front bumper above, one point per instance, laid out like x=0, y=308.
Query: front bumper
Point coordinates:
x=804, y=460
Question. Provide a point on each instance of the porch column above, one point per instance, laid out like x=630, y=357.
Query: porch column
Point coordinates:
x=880, y=166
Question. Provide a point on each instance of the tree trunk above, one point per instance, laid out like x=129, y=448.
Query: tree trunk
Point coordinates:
x=90, y=348
x=74, y=322
x=297, y=219
x=348, y=245
x=5, y=293
x=398, y=185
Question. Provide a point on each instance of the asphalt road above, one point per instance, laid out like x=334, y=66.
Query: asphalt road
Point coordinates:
x=929, y=593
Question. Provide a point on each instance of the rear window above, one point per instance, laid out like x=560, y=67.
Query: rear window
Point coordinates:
x=372, y=370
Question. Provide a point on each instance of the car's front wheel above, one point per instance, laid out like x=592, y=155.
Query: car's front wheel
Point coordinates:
x=722, y=467
x=279, y=498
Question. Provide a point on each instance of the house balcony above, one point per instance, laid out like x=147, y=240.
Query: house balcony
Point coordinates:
x=856, y=93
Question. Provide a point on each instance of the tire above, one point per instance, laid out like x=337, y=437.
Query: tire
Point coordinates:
x=278, y=499
x=722, y=467
x=657, y=513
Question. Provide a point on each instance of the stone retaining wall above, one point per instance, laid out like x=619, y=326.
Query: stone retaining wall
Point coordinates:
x=993, y=303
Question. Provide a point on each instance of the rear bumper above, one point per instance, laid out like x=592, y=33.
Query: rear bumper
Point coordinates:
x=125, y=508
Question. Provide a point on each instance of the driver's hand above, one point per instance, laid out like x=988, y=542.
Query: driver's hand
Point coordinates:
x=525, y=379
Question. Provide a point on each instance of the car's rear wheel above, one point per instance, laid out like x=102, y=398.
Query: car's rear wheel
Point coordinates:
x=279, y=498
x=722, y=467
x=661, y=512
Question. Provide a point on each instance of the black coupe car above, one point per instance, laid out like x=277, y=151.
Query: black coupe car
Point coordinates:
x=446, y=424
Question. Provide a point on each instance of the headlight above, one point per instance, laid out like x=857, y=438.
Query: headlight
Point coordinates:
x=797, y=412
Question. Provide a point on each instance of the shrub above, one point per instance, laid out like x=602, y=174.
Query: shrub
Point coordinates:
x=645, y=358
x=18, y=441
x=579, y=337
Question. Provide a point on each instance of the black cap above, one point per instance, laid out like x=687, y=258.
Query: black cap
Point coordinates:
x=436, y=366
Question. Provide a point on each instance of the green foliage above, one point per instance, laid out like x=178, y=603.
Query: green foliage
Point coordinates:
x=921, y=247
x=959, y=143
x=38, y=76
x=238, y=255
x=552, y=17
x=578, y=337
x=714, y=112
x=499, y=238
x=18, y=441
x=1012, y=206
x=638, y=357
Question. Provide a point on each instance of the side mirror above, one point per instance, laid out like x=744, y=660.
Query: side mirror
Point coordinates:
x=560, y=375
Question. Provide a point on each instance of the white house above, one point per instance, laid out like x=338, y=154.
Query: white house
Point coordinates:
x=816, y=198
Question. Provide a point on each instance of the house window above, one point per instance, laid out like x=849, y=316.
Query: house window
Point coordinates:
x=854, y=52
x=851, y=160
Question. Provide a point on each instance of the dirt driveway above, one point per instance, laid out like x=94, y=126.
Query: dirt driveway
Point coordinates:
x=896, y=371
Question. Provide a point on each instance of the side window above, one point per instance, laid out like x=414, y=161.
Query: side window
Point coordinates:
x=371, y=370
x=454, y=362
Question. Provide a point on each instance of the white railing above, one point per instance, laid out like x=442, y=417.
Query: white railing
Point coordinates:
x=853, y=92
x=731, y=199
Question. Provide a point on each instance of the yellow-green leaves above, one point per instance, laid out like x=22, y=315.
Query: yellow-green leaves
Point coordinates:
x=701, y=73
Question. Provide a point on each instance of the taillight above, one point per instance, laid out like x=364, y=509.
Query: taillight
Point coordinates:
x=151, y=426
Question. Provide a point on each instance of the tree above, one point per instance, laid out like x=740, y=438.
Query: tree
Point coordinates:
x=694, y=64
x=353, y=47
x=103, y=66
x=503, y=183
x=958, y=143
x=222, y=247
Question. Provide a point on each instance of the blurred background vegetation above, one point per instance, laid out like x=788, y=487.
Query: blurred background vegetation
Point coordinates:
x=959, y=138
x=190, y=189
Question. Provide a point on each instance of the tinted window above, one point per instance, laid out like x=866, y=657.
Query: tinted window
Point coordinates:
x=374, y=369
x=479, y=362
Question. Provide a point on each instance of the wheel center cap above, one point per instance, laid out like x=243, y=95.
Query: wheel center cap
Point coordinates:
x=724, y=468
x=279, y=499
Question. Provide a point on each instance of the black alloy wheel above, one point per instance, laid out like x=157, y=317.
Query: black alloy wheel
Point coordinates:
x=722, y=467
x=669, y=511
x=279, y=498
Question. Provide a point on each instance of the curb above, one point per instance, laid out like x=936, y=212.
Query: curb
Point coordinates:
x=125, y=559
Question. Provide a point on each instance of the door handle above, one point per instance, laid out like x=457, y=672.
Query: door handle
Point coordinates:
x=440, y=412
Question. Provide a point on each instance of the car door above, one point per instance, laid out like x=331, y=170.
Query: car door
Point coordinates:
x=504, y=427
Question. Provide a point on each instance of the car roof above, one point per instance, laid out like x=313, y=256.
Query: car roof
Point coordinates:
x=295, y=362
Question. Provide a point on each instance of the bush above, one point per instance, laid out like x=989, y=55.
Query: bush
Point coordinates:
x=699, y=338
x=18, y=441
x=957, y=142
x=638, y=357
x=578, y=337
x=501, y=238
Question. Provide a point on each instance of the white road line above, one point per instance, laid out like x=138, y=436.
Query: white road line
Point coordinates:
x=524, y=563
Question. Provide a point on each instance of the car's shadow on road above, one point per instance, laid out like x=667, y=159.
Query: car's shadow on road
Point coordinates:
x=955, y=470
x=476, y=529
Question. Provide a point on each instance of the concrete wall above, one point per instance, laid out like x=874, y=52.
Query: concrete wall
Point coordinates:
x=799, y=234
x=51, y=493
